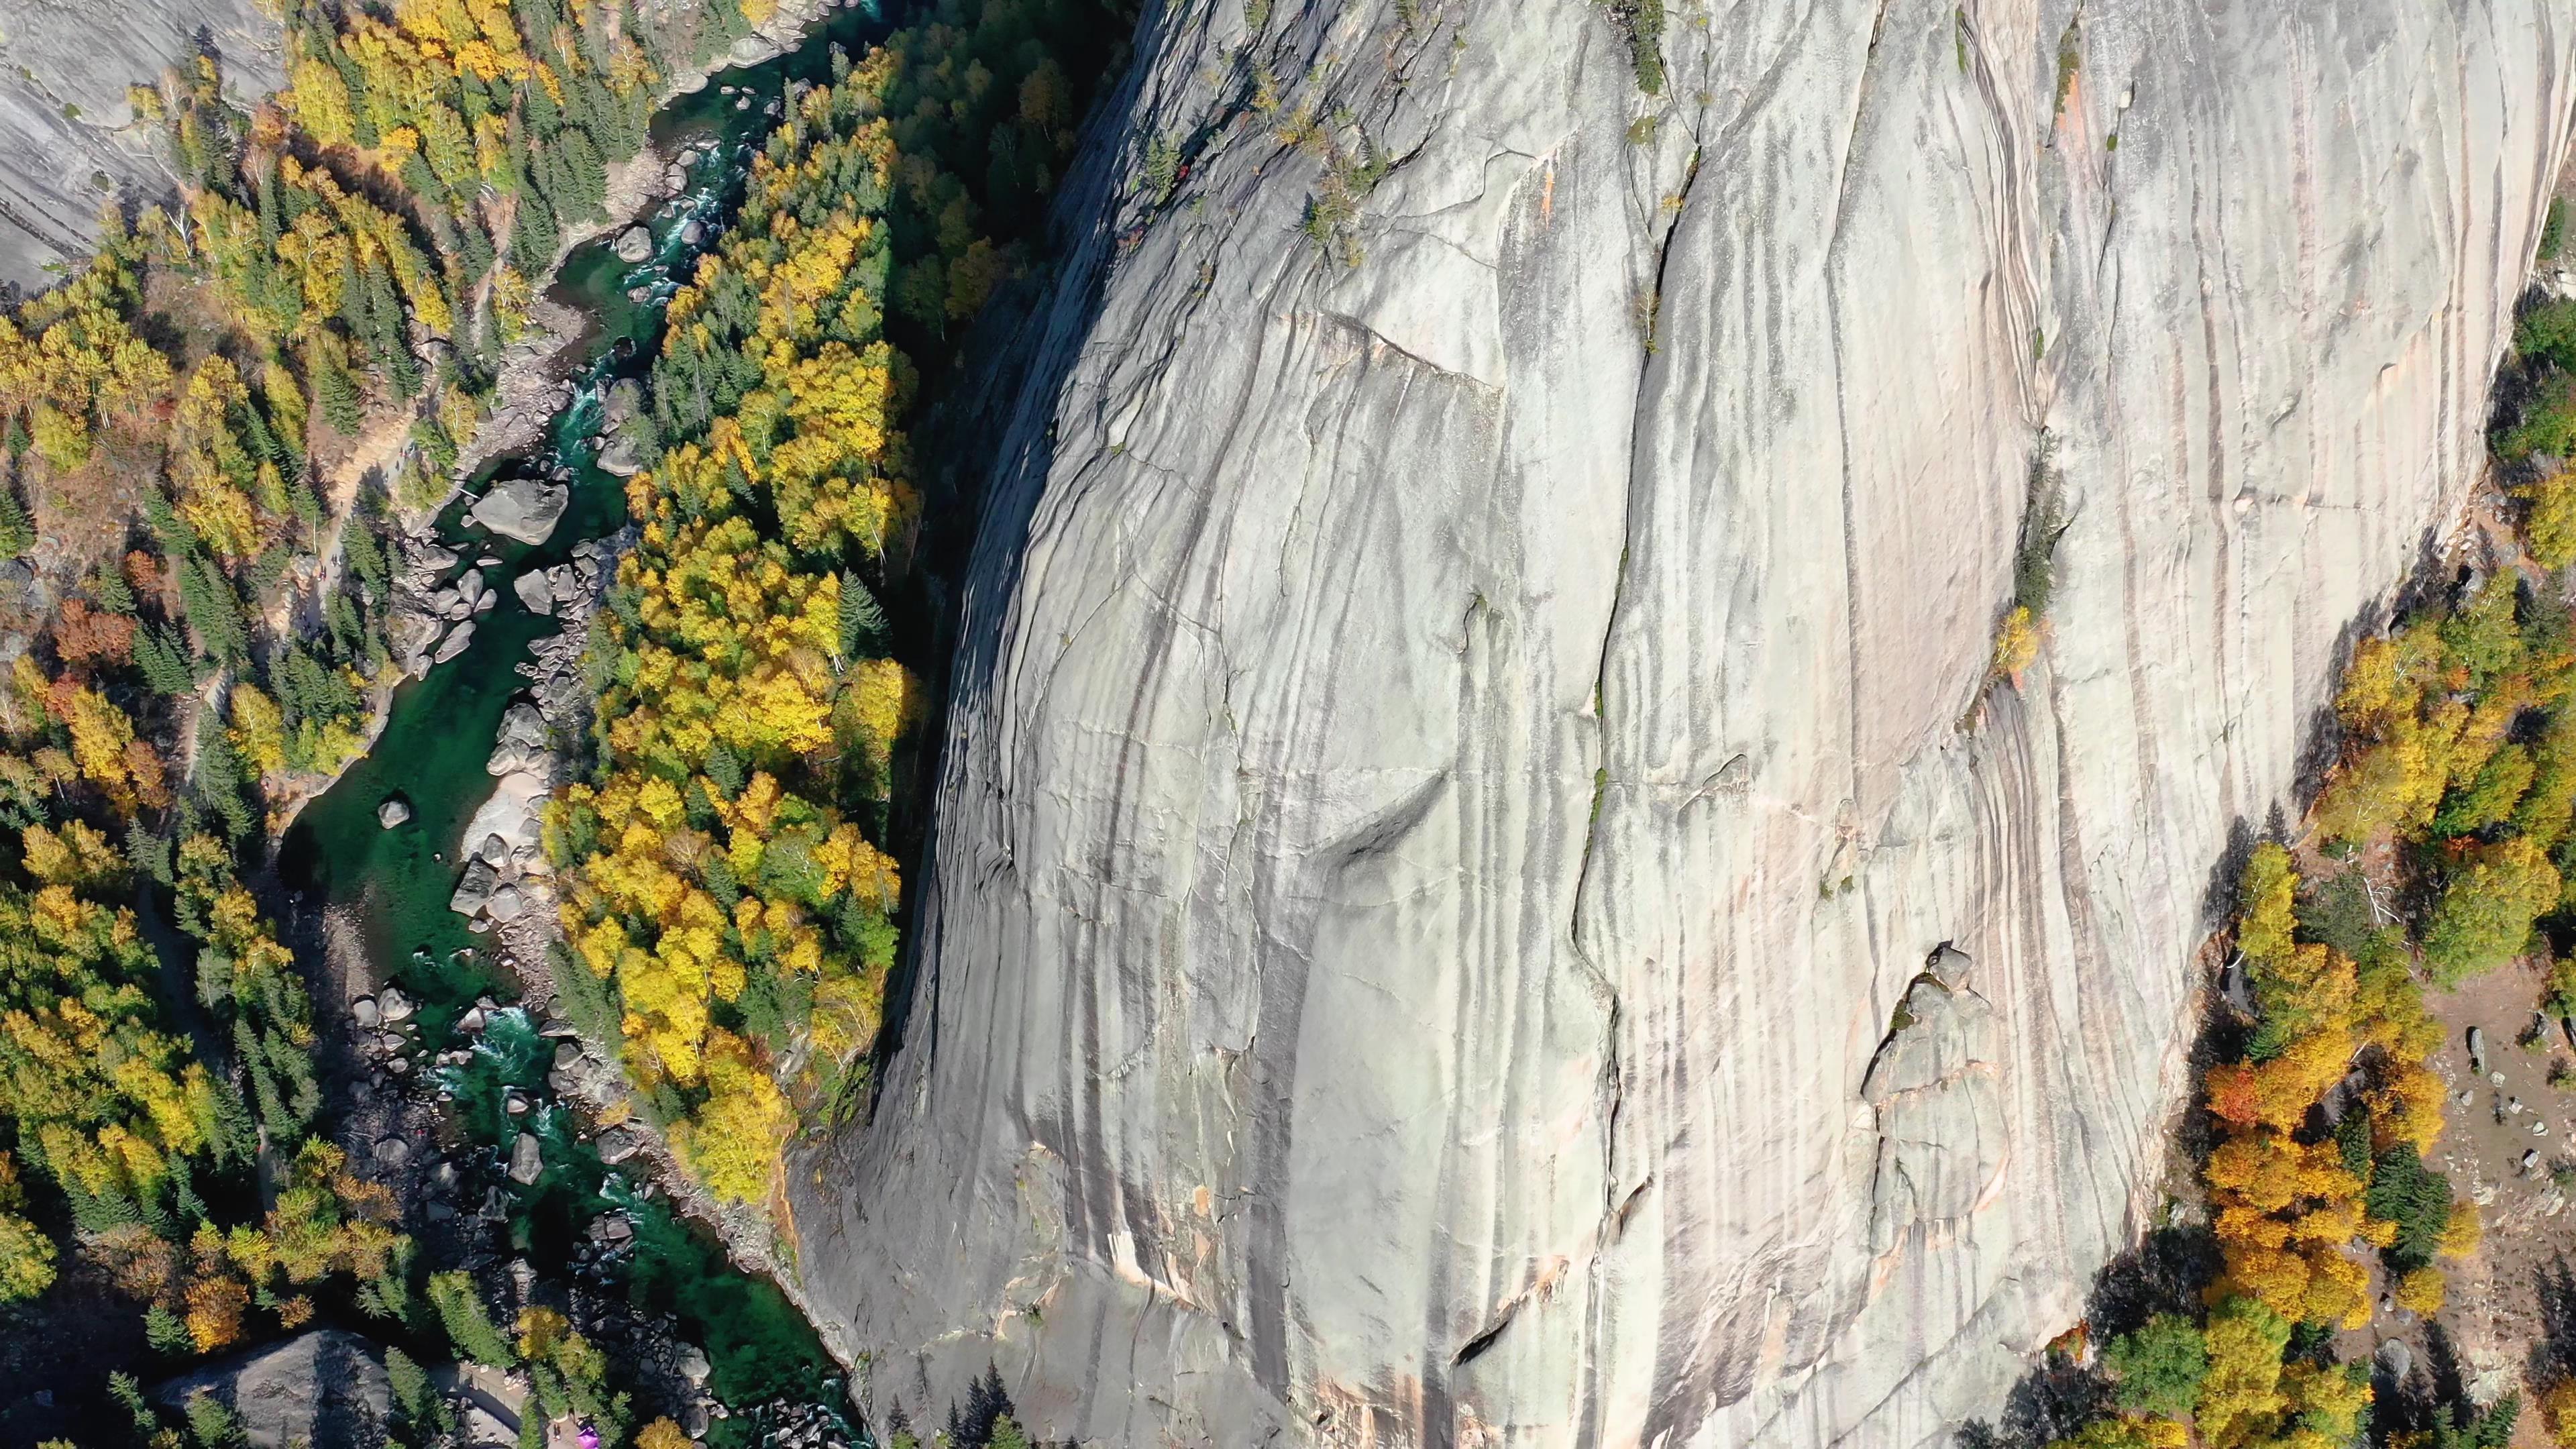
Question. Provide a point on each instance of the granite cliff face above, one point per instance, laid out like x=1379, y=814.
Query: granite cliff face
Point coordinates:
x=1464, y=738
x=68, y=140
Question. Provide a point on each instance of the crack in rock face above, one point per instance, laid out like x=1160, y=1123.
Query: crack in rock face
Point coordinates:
x=1940, y=1112
x=1472, y=700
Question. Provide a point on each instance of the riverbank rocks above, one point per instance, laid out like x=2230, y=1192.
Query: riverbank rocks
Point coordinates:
x=392, y=813
x=454, y=644
x=505, y=837
x=525, y=509
x=474, y=889
x=624, y=430
x=527, y=1158
x=553, y=667
x=536, y=592
x=323, y=1390
x=392, y=1005
x=634, y=244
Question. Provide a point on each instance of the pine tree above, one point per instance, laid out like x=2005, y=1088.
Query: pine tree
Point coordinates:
x=863, y=622
x=112, y=593
x=163, y=658
x=342, y=406
x=17, y=532
x=213, y=609
x=469, y=1328
x=589, y=173
x=163, y=1330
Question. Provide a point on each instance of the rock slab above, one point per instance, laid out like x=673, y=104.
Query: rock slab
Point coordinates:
x=321, y=1390
x=1467, y=731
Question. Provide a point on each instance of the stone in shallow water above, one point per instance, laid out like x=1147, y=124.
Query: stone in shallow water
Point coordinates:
x=621, y=457
x=363, y=1011
x=392, y=1151
x=392, y=813
x=475, y=889
x=395, y=1005
x=525, y=509
x=634, y=244
x=454, y=644
x=527, y=1158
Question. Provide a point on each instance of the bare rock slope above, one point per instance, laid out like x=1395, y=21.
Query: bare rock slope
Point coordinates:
x=1465, y=738
x=69, y=142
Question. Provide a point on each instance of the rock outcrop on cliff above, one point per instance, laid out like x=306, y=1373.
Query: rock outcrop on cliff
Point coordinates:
x=1468, y=725
x=69, y=142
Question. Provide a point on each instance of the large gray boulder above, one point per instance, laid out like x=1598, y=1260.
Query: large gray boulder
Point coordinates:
x=321, y=1390
x=1456, y=759
x=526, y=509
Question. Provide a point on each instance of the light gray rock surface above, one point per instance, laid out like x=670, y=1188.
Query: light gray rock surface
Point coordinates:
x=1444, y=798
x=69, y=141
x=526, y=509
x=321, y=1390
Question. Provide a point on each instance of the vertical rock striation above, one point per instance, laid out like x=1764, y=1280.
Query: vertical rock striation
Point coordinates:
x=1459, y=757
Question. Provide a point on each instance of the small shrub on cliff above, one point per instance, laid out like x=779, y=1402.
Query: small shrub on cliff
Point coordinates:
x=2016, y=644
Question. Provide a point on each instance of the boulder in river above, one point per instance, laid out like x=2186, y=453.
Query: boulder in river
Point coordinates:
x=620, y=457
x=634, y=244
x=535, y=591
x=454, y=644
x=393, y=1005
x=525, y=509
x=527, y=1158
x=392, y=813
x=475, y=890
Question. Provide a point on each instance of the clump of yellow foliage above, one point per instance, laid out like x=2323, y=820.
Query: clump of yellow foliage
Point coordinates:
x=728, y=874
x=744, y=918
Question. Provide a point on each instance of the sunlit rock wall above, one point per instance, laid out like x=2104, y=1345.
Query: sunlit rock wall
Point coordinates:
x=1469, y=728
